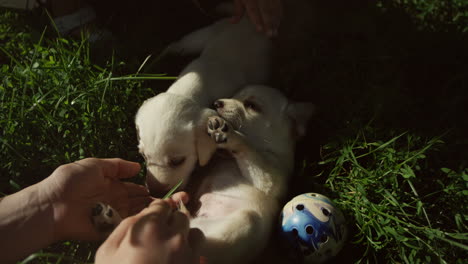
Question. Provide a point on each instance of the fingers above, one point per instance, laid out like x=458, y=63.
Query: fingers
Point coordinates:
x=254, y=14
x=128, y=198
x=195, y=239
x=135, y=190
x=238, y=11
x=138, y=203
x=124, y=168
x=116, y=237
x=153, y=221
x=264, y=14
x=158, y=223
x=158, y=229
x=271, y=12
x=176, y=198
x=179, y=223
x=111, y=168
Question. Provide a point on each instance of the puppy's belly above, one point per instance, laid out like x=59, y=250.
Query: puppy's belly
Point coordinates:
x=224, y=190
x=214, y=205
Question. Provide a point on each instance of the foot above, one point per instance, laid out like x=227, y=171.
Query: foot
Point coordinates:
x=105, y=218
x=218, y=129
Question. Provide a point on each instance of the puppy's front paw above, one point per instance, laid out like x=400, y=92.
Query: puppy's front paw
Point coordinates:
x=104, y=218
x=218, y=129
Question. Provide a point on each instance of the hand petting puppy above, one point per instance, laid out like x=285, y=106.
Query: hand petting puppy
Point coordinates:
x=74, y=188
x=59, y=207
x=158, y=234
x=266, y=15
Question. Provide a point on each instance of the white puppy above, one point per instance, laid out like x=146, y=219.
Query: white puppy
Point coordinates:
x=235, y=198
x=170, y=136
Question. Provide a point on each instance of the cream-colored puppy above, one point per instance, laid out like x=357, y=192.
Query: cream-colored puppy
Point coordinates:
x=236, y=199
x=170, y=136
x=172, y=139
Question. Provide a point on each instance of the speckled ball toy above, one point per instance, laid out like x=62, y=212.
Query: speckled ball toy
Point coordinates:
x=312, y=228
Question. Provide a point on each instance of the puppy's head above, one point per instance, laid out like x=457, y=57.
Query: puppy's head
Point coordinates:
x=267, y=118
x=170, y=140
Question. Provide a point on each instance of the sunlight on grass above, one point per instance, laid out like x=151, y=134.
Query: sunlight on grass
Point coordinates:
x=383, y=187
x=57, y=106
x=404, y=203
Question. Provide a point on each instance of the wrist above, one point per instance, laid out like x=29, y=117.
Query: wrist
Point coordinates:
x=49, y=205
x=26, y=223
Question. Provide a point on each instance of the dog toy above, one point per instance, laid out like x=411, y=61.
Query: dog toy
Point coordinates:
x=313, y=230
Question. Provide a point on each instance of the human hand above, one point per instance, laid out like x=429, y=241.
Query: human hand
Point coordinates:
x=73, y=189
x=266, y=15
x=158, y=234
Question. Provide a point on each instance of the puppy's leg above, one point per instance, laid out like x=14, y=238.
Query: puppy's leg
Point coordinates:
x=105, y=219
x=265, y=170
x=205, y=146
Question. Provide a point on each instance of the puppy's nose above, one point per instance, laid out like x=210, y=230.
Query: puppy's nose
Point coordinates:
x=156, y=188
x=218, y=104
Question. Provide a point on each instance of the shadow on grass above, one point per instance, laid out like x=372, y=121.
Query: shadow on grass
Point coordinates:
x=361, y=67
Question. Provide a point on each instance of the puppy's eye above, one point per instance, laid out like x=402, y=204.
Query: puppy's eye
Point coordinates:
x=252, y=106
x=176, y=161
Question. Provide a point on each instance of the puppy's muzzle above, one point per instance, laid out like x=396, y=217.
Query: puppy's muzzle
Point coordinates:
x=154, y=186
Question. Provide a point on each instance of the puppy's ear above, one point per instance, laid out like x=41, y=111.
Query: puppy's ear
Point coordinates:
x=203, y=142
x=300, y=113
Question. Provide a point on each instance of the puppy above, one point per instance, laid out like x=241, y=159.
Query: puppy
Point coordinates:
x=236, y=199
x=171, y=139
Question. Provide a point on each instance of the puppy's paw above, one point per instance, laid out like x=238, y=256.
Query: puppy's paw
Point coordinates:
x=105, y=218
x=218, y=129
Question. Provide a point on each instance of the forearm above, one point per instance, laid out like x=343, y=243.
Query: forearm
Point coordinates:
x=26, y=224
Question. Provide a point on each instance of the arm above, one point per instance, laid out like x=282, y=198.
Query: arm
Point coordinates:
x=26, y=224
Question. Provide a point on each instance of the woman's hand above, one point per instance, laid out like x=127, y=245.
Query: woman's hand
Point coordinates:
x=73, y=189
x=158, y=234
x=266, y=15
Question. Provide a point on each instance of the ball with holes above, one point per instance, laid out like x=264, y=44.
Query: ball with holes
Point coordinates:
x=312, y=228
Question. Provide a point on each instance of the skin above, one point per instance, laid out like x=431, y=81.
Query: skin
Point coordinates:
x=59, y=207
x=158, y=234
x=266, y=15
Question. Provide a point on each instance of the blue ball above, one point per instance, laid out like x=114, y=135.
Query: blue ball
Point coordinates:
x=312, y=228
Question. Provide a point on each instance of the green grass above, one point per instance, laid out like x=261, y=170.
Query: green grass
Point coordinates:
x=433, y=14
x=57, y=106
x=388, y=143
x=381, y=184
